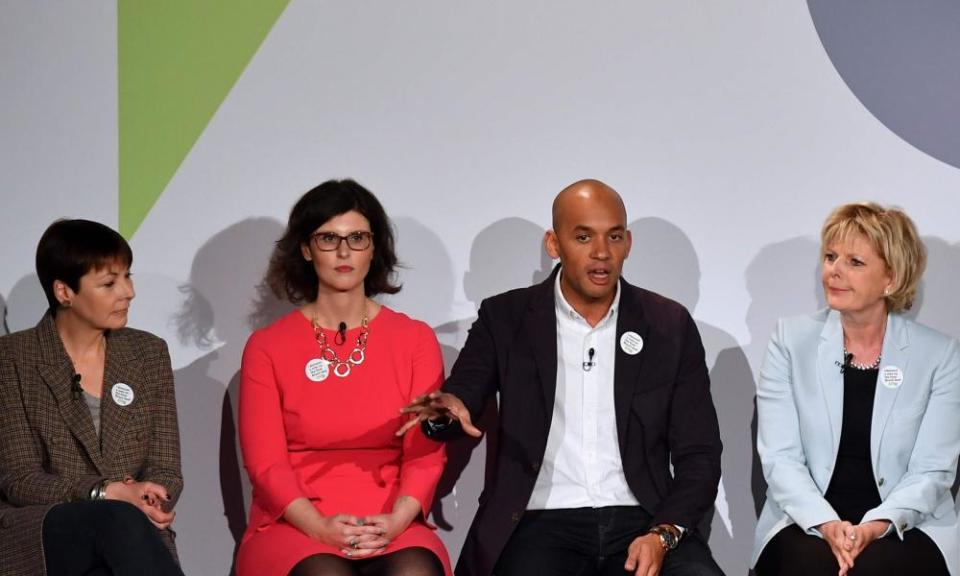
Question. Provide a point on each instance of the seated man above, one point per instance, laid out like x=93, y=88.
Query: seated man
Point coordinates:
x=602, y=386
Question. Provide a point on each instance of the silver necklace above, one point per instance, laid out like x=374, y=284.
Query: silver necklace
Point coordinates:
x=342, y=368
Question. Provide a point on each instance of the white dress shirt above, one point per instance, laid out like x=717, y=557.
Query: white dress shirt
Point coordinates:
x=581, y=467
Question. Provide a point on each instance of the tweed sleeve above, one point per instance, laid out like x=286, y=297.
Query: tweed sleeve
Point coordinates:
x=163, y=456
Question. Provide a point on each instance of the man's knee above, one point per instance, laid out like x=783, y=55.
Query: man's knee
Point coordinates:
x=692, y=558
x=692, y=568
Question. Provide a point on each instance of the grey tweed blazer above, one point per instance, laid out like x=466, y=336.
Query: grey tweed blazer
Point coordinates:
x=49, y=449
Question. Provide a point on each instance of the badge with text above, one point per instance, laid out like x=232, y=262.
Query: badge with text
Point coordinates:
x=631, y=343
x=317, y=370
x=122, y=394
x=891, y=376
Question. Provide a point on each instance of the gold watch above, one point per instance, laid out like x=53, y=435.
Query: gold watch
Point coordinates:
x=668, y=537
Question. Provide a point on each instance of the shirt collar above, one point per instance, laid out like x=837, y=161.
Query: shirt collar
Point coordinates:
x=564, y=308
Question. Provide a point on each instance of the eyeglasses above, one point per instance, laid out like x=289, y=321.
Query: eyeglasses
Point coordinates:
x=328, y=241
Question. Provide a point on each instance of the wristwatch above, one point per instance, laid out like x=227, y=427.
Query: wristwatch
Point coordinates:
x=433, y=427
x=668, y=539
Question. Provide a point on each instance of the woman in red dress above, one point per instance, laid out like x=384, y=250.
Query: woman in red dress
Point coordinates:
x=335, y=491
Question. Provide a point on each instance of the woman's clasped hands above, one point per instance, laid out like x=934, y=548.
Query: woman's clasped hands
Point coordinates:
x=370, y=535
x=355, y=537
x=151, y=498
x=847, y=540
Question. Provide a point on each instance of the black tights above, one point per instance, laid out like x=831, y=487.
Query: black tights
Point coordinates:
x=103, y=538
x=406, y=562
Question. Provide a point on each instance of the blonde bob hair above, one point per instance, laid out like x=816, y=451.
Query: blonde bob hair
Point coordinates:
x=893, y=236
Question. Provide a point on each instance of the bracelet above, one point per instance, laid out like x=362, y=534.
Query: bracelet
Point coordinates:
x=99, y=490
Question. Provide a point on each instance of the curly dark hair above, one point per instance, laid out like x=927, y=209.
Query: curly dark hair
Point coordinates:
x=292, y=277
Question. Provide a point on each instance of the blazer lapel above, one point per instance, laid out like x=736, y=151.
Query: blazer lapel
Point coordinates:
x=56, y=370
x=539, y=328
x=122, y=374
x=627, y=367
x=894, y=365
x=829, y=354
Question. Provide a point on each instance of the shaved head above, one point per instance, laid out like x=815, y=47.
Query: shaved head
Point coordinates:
x=591, y=240
x=583, y=194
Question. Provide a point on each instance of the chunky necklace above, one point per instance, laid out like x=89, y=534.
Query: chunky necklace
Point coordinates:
x=356, y=357
x=859, y=366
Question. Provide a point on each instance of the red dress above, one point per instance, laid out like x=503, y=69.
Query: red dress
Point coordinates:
x=333, y=441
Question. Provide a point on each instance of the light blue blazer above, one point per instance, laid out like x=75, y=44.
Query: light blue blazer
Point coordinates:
x=914, y=439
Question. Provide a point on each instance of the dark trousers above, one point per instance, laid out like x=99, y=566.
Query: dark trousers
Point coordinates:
x=103, y=538
x=592, y=542
x=794, y=552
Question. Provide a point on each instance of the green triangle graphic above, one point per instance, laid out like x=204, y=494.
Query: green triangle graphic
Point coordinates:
x=178, y=60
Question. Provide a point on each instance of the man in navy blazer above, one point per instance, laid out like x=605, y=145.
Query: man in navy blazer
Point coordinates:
x=602, y=386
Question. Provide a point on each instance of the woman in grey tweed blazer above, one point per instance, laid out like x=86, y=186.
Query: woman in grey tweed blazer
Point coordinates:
x=89, y=446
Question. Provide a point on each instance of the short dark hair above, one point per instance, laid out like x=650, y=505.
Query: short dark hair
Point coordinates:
x=291, y=276
x=69, y=249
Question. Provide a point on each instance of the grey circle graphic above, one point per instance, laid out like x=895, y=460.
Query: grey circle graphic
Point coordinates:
x=902, y=61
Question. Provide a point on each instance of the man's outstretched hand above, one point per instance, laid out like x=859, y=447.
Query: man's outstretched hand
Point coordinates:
x=438, y=405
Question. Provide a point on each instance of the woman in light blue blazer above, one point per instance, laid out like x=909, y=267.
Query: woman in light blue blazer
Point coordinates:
x=859, y=416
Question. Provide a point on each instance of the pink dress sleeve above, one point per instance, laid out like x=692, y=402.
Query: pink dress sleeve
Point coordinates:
x=263, y=439
x=423, y=459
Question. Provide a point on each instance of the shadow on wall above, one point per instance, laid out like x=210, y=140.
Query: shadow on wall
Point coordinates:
x=223, y=301
x=664, y=260
x=506, y=254
x=936, y=301
x=3, y=317
x=783, y=280
x=26, y=303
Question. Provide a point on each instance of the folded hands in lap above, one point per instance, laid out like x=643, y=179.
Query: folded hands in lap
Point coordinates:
x=847, y=540
x=149, y=497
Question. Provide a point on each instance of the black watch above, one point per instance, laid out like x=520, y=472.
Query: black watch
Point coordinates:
x=668, y=539
x=433, y=427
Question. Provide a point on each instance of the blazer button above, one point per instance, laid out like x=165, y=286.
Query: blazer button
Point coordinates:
x=880, y=482
x=535, y=466
x=515, y=517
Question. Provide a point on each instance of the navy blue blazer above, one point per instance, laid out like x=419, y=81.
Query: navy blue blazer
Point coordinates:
x=662, y=400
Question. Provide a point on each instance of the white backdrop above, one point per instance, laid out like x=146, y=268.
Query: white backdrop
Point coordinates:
x=725, y=127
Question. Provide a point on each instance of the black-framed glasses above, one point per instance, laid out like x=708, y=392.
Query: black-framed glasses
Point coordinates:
x=329, y=241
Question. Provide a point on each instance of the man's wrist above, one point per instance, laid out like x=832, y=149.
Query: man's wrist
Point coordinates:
x=431, y=427
x=669, y=535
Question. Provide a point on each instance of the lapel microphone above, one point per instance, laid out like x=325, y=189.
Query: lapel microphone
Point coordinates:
x=341, y=335
x=589, y=363
x=847, y=359
x=75, y=388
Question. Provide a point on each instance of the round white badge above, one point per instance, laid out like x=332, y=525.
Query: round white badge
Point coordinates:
x=631, y=343
x=122, y=394
x=891, y=376
x=317, y=369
